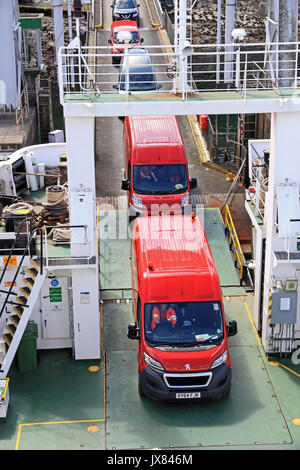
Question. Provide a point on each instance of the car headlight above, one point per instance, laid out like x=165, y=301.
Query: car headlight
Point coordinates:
x=137, y=201
x=221, y=360
x=134, y=14
x=152, y=362
x=117, y=15
x=185, y=200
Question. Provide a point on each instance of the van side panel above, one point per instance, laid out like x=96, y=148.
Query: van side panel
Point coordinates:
x=126, y=145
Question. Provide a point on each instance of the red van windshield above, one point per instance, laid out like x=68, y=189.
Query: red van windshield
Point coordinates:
x=183, y=324
x=159, y=179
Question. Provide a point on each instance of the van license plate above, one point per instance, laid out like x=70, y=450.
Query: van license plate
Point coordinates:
x=188, y=395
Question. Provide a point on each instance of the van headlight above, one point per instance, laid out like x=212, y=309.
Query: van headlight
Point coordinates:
x=221, y=360
x=137, y=201
x=152, y=362
x=185, y=200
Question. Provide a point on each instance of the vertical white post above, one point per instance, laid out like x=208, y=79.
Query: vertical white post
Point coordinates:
x=288, y=32
x=229, y=26
x=218, y=39
x=181, y=41
x=82, y=196
x=9, y=92
x=58, y=25
x=71, y=64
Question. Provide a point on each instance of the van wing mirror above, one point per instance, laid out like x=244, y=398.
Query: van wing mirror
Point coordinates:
x=109, y=41
x=193, y=183
x=116, y=87
x=159, y=85
x=142, y=40
x=125, y=185
x=232, y=328
x=133, y=331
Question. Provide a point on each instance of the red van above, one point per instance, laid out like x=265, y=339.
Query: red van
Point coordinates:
x=180, y=325
x=122, y=34
x=155, y=166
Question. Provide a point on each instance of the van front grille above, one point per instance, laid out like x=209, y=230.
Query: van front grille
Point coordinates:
x=196, y=380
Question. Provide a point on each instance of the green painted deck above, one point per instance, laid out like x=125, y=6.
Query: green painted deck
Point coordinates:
x=114, y=252
x=64, y=405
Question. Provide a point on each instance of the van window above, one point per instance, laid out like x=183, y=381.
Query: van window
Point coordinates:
x=183, y=324
x=159, y=179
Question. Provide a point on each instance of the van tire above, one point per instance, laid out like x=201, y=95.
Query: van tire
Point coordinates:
x=140, y=390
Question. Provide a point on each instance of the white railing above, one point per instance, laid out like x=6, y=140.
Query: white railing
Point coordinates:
x=211, y=68
x=51, y=260
x=258, y=187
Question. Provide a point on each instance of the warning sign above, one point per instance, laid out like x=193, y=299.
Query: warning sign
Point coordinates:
x=55, y=294
x=12, y=261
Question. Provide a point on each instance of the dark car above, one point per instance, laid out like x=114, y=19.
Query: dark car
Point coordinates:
x=137, y=72
x=125, y=10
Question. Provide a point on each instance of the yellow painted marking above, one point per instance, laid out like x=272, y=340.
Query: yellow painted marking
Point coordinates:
x=252, y=323
x=276, y=363
x=52, y=422
x=94, y=368
x=101, y=420
x=296, y=421
x=92, y=428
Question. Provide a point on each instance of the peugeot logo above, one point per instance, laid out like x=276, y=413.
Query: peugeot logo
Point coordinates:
x=188, y=367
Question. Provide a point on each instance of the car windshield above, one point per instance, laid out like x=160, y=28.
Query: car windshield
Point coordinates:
x=125, y=4
x=134, y=38
x=138, y=81
x=159, y=179
x=183, y=324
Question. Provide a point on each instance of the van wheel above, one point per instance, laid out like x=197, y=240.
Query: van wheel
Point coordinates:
x=140, y=390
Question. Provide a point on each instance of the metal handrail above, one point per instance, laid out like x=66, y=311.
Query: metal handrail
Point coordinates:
x=19, y=267
x=24, y=107
x=15, y=241
x=208, y=61
x=233, y=239
x=84, y=226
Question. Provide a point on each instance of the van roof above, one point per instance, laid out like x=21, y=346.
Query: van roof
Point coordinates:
x=173, y=243
x=154, y=129
x=174, y=256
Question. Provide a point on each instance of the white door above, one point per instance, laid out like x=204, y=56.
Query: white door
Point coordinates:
x=55, y=308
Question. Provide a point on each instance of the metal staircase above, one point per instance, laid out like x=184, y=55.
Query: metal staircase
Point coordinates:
x=16, y=323
x=12, y=325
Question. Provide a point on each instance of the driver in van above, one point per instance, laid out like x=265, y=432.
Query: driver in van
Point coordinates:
x=163, y=314
x=147, y=173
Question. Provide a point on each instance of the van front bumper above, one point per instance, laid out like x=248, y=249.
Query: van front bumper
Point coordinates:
x=152, y=384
